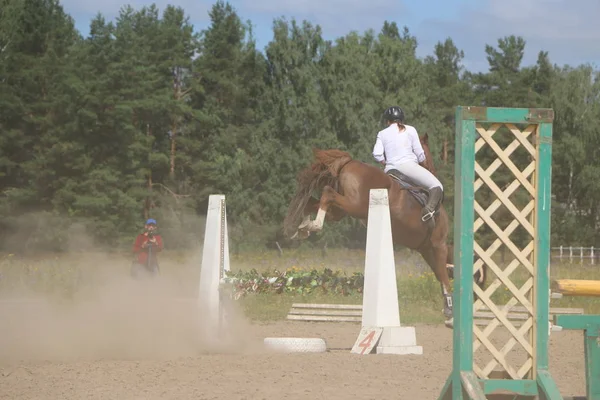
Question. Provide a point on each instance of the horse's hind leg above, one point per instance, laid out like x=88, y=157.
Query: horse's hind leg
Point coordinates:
x=436, y=257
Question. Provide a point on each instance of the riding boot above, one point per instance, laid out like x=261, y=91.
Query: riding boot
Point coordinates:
x=435, y=196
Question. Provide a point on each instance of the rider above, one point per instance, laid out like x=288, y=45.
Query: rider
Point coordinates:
x=398, y=148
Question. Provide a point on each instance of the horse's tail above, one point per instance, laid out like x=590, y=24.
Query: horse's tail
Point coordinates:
x=324, y=171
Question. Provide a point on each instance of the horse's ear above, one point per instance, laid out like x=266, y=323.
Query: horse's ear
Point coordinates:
x=426, y=138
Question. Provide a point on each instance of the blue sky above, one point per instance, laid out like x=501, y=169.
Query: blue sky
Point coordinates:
x=568, y=29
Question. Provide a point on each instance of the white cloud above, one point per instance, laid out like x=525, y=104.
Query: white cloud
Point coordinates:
x=336, y=17
x=567, y=29
x=544, y=19
x=197, y=10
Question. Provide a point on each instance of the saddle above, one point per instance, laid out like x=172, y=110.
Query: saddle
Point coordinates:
x=418, y=192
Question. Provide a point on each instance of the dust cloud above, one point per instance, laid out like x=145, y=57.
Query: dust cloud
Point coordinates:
x=114, y=316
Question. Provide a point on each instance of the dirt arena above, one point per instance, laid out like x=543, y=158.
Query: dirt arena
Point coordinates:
x=126, y=346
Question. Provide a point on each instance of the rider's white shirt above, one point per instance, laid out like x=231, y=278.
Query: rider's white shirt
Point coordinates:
x=397, y=147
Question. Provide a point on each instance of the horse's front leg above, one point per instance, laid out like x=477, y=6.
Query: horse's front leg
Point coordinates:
x=309, y=225
x=332, y=206
x=313, y=205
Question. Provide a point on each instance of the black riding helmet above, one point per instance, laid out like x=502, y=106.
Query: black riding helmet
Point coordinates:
x=393, y=114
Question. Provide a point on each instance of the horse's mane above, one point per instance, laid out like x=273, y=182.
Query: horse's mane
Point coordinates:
x=323, y=171
x=332, y=159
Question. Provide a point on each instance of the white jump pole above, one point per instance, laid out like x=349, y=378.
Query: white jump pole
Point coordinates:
x=381, y=315
x=215, y=262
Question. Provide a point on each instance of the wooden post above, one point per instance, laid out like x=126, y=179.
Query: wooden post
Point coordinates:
x=570, y=254
x=476, y=127
x=590, y=324
x=561, y=253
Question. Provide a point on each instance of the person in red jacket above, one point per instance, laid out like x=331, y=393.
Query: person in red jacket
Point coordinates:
x=145, y=249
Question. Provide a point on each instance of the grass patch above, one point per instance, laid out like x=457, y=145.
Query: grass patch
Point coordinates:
x=70, y=276
x=271, y=307
x=265, y=307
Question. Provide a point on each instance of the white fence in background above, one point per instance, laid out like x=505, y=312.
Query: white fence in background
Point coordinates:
x=576, y=254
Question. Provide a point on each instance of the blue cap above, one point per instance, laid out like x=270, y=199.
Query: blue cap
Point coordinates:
x=151, y=221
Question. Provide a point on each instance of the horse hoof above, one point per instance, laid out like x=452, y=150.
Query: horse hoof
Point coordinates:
x=301, y=234
x=449, y=323
x=448, y=314
x=305, y=225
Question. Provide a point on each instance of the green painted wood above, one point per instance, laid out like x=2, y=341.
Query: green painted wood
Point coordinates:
x=525, y=387
x=548, y=390
x=508, y=115
x=590, y=325
x=592, y=363
x=463, y=251
x=543, y=182
x=577, y=322
x=446, y=393
x=459, y=385
x=471, y=385
x=464, y=178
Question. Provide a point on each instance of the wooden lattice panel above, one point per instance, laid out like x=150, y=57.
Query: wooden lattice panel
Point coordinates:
x=504, y=228
x=503, y=190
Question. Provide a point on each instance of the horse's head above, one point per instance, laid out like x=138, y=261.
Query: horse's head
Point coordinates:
x=428, y=159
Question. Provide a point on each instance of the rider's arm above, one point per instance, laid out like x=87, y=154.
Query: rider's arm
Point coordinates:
x=378, y=153
x=416, y=146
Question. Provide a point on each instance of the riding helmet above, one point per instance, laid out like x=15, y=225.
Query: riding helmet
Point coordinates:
x=394, y=113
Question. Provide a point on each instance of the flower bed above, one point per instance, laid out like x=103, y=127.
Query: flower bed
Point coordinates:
x=294, y=280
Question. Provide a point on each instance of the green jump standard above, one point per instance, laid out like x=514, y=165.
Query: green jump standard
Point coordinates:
x=590, y=325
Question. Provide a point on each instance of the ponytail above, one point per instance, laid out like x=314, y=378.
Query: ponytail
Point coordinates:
x=400, y=126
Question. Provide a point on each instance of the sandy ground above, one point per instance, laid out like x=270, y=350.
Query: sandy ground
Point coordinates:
x=117, y=349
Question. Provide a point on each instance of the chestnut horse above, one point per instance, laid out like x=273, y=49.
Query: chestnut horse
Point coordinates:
x=345, y=186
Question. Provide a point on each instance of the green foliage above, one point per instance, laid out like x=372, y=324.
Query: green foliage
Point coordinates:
x=144, y=116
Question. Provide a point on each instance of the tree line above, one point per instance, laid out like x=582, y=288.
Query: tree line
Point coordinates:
x=146, y=116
